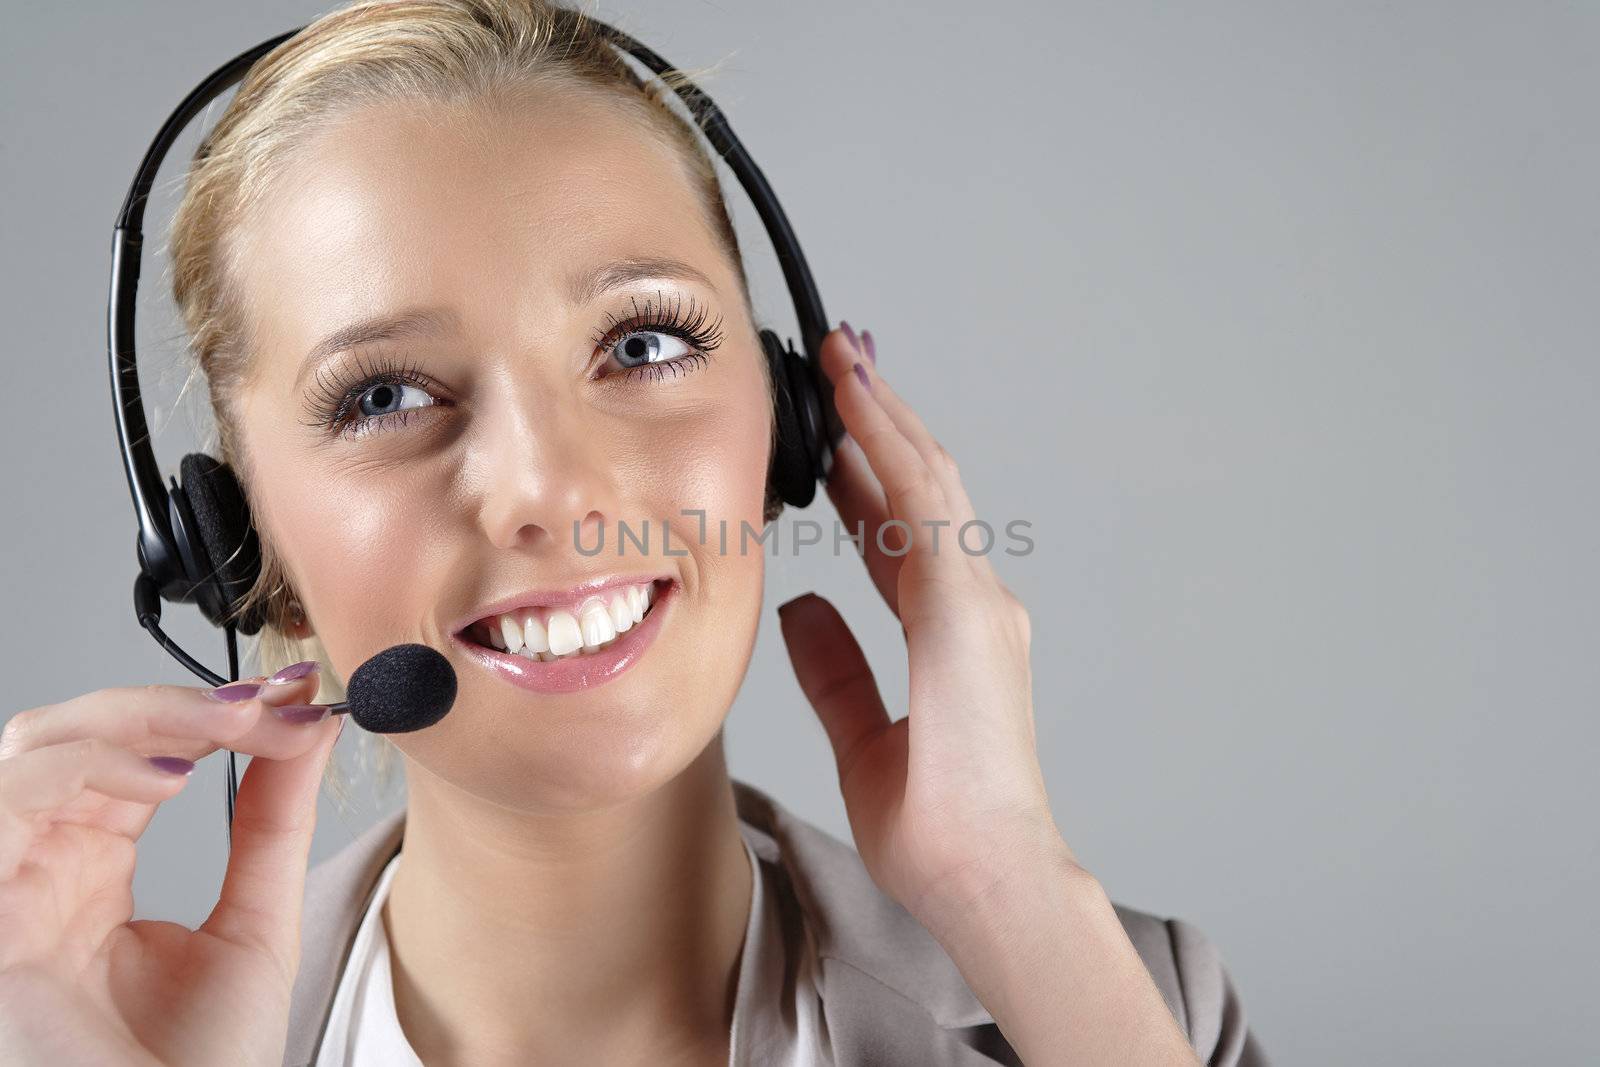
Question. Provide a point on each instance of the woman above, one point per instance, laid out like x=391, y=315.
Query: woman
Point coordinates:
x=558, y=340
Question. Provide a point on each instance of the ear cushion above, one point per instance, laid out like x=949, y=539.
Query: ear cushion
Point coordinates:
x=226, y=537
x=790, y=471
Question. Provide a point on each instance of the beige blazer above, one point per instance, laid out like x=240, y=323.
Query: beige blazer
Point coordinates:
x=891, y=995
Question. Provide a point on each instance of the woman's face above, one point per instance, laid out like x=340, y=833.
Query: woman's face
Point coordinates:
x=459, y=484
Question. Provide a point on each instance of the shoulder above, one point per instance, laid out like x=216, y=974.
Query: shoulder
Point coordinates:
x=1189, y=970
x=854, y=923
x=336, y=896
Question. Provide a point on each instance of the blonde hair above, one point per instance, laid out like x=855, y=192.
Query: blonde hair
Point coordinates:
x=371, y=52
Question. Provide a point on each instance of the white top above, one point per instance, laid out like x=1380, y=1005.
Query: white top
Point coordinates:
x=777, y=1013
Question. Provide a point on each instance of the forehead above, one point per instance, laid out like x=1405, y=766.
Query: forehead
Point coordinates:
x=489, y=210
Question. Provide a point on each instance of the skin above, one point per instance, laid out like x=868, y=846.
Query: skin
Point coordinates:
x=611, y=807
x=577, y=852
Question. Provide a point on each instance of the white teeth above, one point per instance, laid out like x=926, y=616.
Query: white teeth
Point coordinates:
x=511, y=634
x=597, y=626
x=565, y=637
x=534, y=638
x=622, y=619
x=547, y=635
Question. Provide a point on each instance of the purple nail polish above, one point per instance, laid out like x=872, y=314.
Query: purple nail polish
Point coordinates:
x=861, y=372
x=170, y=764
x=229, y=694
x=302, y=714
x=787, y=604
x=855, y=342
x=872, y=350
x=294, y=671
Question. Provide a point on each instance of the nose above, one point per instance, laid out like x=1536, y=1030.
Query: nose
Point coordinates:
x=546, y=479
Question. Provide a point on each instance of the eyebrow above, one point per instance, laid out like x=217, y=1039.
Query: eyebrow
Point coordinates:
x=413, y=323
x=582, y=287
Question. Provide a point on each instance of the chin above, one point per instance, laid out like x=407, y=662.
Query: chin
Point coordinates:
x=620, y=751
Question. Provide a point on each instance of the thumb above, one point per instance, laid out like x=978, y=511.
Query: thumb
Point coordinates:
x=834, y=675
x=274, y=816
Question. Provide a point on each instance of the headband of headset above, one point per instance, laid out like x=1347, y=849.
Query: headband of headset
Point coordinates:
x=177, y=524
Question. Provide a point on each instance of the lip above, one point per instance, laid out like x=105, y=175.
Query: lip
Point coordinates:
x=546, y=597
x=581, y=672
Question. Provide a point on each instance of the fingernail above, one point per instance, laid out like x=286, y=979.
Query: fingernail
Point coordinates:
x=791, y=601
x=230, y=694
x=861, y=372
x=294, y=671
x=855, y=342
x=301, y=714
x=872, y=350
x=170, y=764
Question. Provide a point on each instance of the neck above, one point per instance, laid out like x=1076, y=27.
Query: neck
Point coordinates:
x=518, y=937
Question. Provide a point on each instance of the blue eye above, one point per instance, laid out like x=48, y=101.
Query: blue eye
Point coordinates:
x=654, y=352
x=374, y=396
x=387, y=398
x=643, y=343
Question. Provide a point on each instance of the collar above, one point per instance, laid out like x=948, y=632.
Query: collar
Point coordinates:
x=853, y=921
x=883, y=977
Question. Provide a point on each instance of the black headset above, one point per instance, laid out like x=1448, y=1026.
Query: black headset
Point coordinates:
x=196, y=541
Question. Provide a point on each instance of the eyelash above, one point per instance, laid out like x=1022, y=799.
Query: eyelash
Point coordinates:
x=687, y=325
x=335, y=396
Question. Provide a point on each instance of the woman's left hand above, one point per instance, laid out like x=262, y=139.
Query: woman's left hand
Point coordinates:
x=949, y=800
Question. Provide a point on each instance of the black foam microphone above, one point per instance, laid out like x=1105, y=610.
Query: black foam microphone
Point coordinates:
x=402, y=688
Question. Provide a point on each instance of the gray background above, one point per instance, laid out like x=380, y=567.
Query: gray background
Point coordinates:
x=1271, y=320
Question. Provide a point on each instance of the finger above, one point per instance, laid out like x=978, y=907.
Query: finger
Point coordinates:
x=275, y=814
x=253, y=727
x=951, y=538
x=839, y=362
x=280, y=732
x=913, y=492
x=47, y=778
x=834, y=675
x=859, y=501
x=174, y=720
x=42, y=780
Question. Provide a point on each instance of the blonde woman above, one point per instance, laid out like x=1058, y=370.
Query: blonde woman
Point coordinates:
x=559, y=339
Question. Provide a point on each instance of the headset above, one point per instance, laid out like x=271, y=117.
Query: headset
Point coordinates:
x=196, y=542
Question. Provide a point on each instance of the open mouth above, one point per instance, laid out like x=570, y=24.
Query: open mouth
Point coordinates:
x=548, y=634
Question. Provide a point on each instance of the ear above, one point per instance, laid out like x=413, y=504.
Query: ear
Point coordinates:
x=294, y=623
x=299, y=632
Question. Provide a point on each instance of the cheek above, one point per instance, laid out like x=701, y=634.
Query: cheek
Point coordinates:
x=352, y=544
x=718, y=465
x=717, y=474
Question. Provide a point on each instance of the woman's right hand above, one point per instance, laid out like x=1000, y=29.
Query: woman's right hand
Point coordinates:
x=81, y=982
